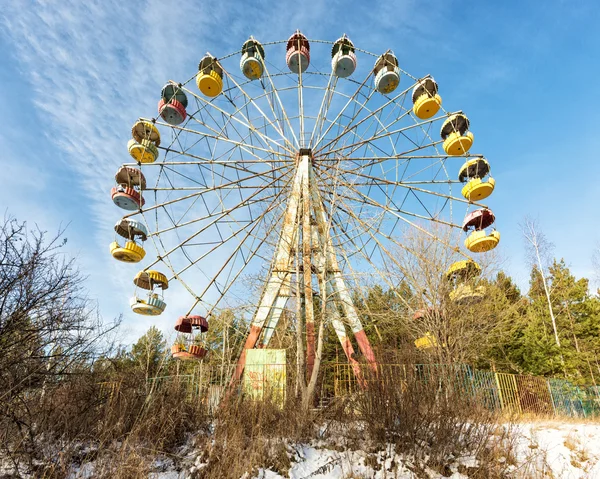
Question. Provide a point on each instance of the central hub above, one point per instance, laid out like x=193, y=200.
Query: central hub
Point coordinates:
x=304, y=152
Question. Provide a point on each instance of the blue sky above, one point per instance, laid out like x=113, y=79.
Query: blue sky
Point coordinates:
x=75, y=75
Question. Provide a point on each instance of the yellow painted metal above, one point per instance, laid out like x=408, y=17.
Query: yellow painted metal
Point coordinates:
x=150, y=278
x=130, y=253
x=476, y=189
x=265, y=374
x=145, y=130
x=464, y=268
x=387, y=81
x=426, y=342
x=252, y=67
x=456, y=144
x=144, y=152
x=210, y=84
x=426, y=105
x=508, y=391
x=480, y=242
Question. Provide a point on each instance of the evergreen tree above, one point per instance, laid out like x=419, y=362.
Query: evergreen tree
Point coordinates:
x=148, y=354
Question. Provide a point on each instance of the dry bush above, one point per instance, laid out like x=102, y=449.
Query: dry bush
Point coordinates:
x=84, y=420
x=249, y=434
x=431, y=419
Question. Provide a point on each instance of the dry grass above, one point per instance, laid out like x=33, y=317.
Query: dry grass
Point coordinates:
x=251, y=434
x=122, y=427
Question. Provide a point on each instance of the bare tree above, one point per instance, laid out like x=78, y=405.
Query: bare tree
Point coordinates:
x=49, y=330
x=538, y=251
x=457, y=331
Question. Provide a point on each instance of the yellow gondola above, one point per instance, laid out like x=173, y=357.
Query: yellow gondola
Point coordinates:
x=473, y=173
x=150, y=279
x=457, y=139
x=480, y=241
x=152, y=306
x=476, y=223
x=131, y=252
x=464, y=269
x=251, y=63
x=426, y=101
x=477, y=189
x=461, y=273
x=210, y=77
x=143, y=152
x=145, y=130
x=466, y=294
x=426, y=342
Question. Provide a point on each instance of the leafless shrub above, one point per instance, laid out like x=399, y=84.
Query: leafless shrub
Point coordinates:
x=250, y=434
x=429, y=416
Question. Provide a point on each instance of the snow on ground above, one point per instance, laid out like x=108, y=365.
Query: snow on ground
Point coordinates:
x=539, y=449
x=535, y=449
x=562, y=450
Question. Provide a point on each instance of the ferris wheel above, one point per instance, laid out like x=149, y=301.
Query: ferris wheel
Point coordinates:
x=301, y=161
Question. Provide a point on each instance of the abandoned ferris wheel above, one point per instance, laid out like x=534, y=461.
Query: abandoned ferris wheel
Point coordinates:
x=306, y=169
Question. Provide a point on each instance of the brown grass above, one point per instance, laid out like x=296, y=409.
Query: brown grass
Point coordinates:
x=122, y=426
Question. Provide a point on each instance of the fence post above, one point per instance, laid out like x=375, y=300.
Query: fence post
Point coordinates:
x=517, y=394
x=551, y=397
x=499, y=391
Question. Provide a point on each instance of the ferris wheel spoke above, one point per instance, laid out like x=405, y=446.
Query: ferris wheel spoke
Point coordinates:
x=280, y=104
x=273, y=205
x=395, y=159
x=225, y=212
x=244, y=146
x=387, y=134
x=246, y=122
x=371, y=113
x=385, y=275
x=375, y=123
x=382, y=181
x=384, y=130
x=374, y=232
x=218, y=215
x=250, y=100
x=324, y=108
x=247, y=260
x=204, y=191
x=395, y=212
x=351, y=101
x=398, y=214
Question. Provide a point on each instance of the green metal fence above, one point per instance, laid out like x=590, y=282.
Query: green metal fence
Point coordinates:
x=510, y=393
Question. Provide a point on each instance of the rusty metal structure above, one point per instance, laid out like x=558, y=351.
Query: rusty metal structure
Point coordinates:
x=306, y=226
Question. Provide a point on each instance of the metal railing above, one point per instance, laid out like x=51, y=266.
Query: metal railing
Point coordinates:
x=502, y=392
